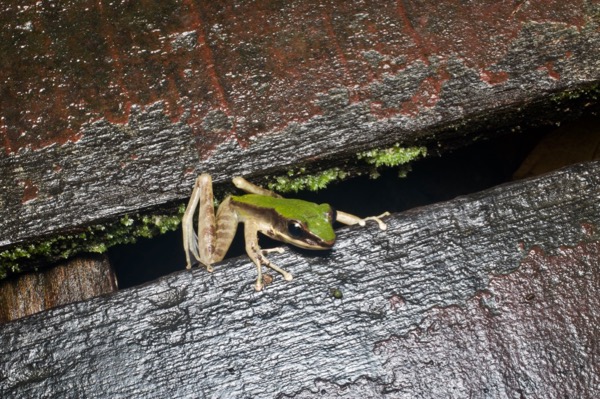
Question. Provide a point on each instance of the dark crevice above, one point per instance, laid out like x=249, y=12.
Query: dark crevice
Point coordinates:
x=441, y=177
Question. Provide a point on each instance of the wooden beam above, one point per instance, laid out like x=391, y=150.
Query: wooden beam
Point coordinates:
x=494, y=294
x=90, y=133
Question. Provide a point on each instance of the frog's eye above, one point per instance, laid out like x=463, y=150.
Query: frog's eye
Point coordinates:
x=295, y=229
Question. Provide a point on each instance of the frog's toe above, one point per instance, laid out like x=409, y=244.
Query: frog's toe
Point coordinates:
x=287, y=276
x=278, y=250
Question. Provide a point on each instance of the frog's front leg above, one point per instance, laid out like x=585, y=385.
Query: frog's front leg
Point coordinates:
x=248, y=187
x=349, y=219
x=258, y=255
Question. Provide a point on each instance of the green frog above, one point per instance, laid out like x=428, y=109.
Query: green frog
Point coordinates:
x=292, y=221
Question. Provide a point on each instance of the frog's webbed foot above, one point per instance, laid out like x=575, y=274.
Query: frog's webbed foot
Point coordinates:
x=348, y=219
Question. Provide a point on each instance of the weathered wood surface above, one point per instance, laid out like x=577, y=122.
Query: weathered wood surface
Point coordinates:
x=491, y=295
x=107, y=108
x=73, y=280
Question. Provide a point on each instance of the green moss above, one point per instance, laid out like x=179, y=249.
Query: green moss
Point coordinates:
x=126, y=220
x=97, y=239
x=296, y=180
x=98, y=248
x=392, y=156
x=395, y=156
x=591, y=92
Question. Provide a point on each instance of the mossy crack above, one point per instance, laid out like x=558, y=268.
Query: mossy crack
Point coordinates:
x=396, y=156
x=96, y=239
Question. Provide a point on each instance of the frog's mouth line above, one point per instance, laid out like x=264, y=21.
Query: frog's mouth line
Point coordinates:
x=314, y=243
x=307, y=242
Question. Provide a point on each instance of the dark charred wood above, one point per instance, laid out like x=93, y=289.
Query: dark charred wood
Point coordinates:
x=162, y=92
x=490, y=295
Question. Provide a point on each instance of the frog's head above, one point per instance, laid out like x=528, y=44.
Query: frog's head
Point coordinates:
x=304, y=224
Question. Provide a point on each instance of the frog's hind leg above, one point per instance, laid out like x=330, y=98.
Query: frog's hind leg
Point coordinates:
x=215, y=233
x=190, y=238
x=226, y=226
x=200, y=246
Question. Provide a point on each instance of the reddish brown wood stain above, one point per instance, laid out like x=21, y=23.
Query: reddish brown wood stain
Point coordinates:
x=493, y=78
x=253, y=66
x=551, y=71
x=30, y=191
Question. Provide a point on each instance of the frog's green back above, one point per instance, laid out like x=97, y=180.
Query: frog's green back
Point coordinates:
x=315, y=216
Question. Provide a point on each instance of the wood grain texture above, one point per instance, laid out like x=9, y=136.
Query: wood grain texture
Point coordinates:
x=160, y=92
x=70, y=281
x=490, y=295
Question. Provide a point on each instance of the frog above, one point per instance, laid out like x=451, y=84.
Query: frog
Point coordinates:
x=301, y=223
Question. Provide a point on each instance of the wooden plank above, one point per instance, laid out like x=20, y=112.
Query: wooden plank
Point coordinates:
x=494, y=294
x=70, y=281
x=169, y=89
